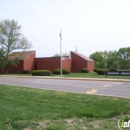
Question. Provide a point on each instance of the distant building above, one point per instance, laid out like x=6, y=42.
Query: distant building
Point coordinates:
x=29, y=61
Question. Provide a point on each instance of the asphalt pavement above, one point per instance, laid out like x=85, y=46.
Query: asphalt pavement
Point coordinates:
x=116, y=88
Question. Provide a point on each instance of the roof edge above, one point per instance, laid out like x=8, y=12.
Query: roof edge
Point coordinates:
x=83, y=56
x=30, y=54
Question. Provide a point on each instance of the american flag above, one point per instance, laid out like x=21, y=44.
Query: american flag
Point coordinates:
x=60, y=35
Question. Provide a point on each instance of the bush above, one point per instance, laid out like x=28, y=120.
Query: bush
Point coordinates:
x=112, y=69
x=57, y=71
x=26, y=72
x=101, y=71
x=95, y=69
x=41, y=73
x=85, y=70
x=64, y=71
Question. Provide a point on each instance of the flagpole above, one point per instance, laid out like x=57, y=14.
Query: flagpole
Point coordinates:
x=60, y=53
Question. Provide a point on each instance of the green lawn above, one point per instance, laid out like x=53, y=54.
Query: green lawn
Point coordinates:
x=36, y=109
x=94, y=75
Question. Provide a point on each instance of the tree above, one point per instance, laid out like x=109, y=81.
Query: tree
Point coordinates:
x=1, y=58
x=97, y=56
x=100, y=59
x=11, y=41
x=56, y=55
x=65, y=54
x=124, y=53
x=124, y=57
x=113, y=60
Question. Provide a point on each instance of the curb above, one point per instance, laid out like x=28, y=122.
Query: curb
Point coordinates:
x=67, y=78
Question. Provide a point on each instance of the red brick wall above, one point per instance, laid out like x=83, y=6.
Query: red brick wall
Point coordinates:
x=66, y=63
x=52, y=63
x=29, y=63
x=91, y=66
x=15, y=69
x=2, y=70
x=47, y=63
x=78, y=63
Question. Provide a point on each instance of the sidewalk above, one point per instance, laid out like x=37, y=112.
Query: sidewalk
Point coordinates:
x=69, y=78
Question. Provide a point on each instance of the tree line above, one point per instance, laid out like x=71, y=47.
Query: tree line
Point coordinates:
x=112, y=59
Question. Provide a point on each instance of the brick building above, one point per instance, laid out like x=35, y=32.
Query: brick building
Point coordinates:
x=80, y=61
x=29, y=61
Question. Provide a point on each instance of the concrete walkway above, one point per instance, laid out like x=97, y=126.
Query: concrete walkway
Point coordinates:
x=69, y=78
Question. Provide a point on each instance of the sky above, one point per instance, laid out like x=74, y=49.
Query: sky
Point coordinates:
x=89, y=25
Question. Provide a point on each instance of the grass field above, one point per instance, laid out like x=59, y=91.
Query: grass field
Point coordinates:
x=95, y=75
x=82, y=75
x=34, y=109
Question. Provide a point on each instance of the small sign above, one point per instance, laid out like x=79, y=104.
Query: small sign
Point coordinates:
x=118, y=73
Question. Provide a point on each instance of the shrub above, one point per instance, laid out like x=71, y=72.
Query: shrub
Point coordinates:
x=85, y=70
x=112, y=69
x=95, y=69
x=64, y=71
x=26, y=72
x=101, y=71
x=57, y=71
x=41, y=73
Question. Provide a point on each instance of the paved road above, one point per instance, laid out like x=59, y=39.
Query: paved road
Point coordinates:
x=119, y=89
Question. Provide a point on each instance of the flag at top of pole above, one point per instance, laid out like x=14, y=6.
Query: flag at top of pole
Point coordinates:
x=60, y=35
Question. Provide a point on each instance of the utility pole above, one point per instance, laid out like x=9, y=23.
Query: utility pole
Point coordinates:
x=76, y=49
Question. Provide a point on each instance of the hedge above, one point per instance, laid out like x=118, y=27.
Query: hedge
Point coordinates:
x=112, y=69
x=95, y=69
x=64, y=71
x=101, y=71
x=41, y=73
x=57, y=71
x=84, y=70
x=26, y=72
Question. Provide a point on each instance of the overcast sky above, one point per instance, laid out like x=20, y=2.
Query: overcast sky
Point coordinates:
x=89, y=25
